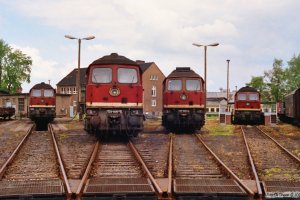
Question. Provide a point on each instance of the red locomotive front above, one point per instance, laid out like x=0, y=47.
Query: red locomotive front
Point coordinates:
x=42, y=104
x=114, y=96
x=183, y=101
x=247, y=106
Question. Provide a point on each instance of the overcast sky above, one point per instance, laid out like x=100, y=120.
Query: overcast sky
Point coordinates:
x=251, y=34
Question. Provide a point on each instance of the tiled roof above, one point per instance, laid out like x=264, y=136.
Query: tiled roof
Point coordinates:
x=220, y=95
x=145, y=66
x=70, y=79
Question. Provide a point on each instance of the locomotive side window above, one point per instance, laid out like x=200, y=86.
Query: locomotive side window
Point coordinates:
x=253, y=97
x=192, y=85
x=174, y=85
x=48, y=93
x=36, y=93
x=126, y=75
x=241, y=96
x=102, y=75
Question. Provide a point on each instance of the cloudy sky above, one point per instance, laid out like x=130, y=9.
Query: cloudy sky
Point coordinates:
x=251, y=34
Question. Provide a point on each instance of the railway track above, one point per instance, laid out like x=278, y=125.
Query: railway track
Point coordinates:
x=116, y=171
x=35, y=170
x=198, y=172
x=278, y=169
x=287, y=136
x=155, y=151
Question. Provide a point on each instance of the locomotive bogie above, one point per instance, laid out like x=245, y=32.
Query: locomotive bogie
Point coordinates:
x=115, y=121
x=248, y=117
x=42, y=113
x=178, y=120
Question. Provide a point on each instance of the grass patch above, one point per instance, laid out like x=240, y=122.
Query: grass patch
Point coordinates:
x=220, y=130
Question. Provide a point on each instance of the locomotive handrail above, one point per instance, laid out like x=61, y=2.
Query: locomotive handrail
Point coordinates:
x=280, y=146
x=14, y=153
x=145, y=168
x=257, y=181
x=237, y=179
x=62, y=168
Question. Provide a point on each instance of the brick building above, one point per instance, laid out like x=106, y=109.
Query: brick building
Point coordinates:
x=66, y=91
x=153, y=88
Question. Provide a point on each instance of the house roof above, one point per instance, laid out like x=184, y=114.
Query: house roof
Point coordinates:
x=145, y=66
x=220, y=95
x=70, y=79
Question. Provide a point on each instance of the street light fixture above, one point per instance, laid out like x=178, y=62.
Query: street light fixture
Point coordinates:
x=228, y=85
x=205, y=49
x=78, y=70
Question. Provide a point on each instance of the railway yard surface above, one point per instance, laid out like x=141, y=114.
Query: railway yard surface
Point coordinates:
x=218, y=162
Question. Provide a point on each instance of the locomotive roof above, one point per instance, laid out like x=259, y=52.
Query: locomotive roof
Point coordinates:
x=183, y=72
x=42, y=85
x=247, y=89
x=114, y=58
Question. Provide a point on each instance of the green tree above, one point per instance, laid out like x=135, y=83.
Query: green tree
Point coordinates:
x=276, y=80
x=293, y=73
x=15, y=68
x=258, y=83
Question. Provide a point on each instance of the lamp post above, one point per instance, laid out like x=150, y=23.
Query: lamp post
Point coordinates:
x=228, y=85
x=205, y=49
x=78, y=69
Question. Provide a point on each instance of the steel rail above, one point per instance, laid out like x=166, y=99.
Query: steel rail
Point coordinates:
x=87, y=171
x=245, y=187
x=61, y=165
x=257, y=181
x=170, y=167
x=280, y=146
x=145, y=168
x=14, y=153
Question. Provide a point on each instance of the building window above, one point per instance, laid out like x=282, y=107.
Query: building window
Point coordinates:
x=153, y=103
x=153, y=77
x=74, y=90
x=212, y=110
x=21, y=104
x=69, y=90
x=217, y=110
x=62, y=90
x=153, y=91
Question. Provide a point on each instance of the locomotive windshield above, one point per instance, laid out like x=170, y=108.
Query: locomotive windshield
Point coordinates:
x=36, y=93
x=126, y=75
x=102, y=75
x=174, y=85
x=48, y=93
x=192, y=85
x=253, y=97
x=241, y=96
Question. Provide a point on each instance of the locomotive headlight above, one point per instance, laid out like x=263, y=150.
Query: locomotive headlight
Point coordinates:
x=247, y=104
x=183, y=96
x=114, y=92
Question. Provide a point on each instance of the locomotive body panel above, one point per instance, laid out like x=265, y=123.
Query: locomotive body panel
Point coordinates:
x=247, y=106
x=183, y=101
x=114, y=96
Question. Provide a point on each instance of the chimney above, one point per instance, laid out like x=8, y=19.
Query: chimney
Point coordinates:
x=19, y=90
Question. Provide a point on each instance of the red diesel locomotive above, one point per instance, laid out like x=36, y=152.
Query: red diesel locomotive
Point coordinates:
x=42, y=104
x=183, y=101
x=247, y=107
x=114, y=96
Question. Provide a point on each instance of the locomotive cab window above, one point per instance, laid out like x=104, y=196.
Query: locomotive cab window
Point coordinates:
x=48, y=93
x=253, y=97
x=193, y=85
x=126, y=75
x=174, y=85
x=241, y=97
x=36, y=93
x=102, y=75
